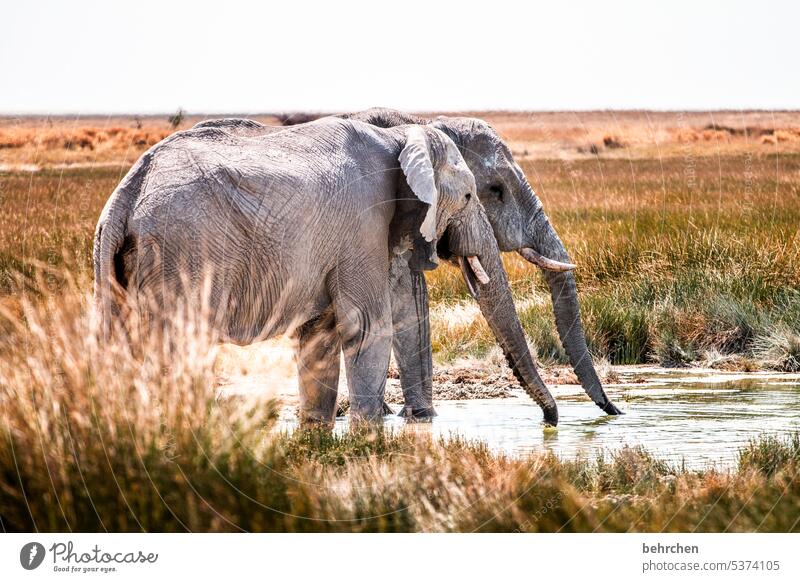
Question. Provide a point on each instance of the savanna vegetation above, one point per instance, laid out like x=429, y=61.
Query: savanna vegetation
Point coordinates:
x=685, y=230
x=684, y=227
x=124, y=437
x=672, y=269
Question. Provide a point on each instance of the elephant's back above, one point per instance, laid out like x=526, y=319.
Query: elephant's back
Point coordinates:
x=266, y=229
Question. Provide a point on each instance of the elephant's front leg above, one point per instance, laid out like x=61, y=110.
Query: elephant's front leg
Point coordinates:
x=318, y=369
x=411, y=339
x=365, y=326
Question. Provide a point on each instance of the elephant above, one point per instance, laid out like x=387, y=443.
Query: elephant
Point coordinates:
x=519, y=224
x=297, y=231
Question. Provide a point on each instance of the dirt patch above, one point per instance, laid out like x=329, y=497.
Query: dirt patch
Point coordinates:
x=459, y=383
x=481, y=381
x=462, y=383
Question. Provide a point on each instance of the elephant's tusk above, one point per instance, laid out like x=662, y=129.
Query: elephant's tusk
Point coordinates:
x=532, y=256
x=477, y=268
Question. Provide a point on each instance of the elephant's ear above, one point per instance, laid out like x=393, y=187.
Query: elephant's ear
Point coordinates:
x=415, y=159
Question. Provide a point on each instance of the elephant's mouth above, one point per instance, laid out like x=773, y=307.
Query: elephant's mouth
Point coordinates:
x=471, y=268
x=473, y=273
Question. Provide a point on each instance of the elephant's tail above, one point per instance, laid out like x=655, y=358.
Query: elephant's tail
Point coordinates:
x=109, y=238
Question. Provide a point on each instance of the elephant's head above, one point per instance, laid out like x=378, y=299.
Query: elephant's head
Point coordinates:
x=450, y=215
x=454, y=223
x=520, y=224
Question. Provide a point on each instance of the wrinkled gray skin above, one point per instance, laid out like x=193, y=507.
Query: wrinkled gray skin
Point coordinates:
x=292, y=228
x=518, y=221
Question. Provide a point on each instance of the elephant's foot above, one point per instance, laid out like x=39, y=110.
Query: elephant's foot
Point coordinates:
x=419, y=413
x=342, y=410
x=310, y=423
x=610, y=408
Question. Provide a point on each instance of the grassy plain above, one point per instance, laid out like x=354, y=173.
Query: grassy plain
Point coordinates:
x=684, y=226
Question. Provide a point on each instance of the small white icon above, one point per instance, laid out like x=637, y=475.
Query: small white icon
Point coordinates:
x=34, y=551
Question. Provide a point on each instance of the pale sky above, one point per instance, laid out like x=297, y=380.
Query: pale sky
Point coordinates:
x=144, y=56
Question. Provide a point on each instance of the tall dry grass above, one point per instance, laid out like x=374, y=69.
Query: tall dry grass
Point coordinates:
x=80, y=412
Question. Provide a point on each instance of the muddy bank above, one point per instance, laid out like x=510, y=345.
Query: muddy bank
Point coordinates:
x=272, y=372
x=479, y=380
x=483, y=380
x=270, y=368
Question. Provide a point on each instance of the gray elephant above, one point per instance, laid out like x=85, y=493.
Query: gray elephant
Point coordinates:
x=296, y=230
x=519, y=224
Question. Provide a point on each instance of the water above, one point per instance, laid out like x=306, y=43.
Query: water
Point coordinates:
x=695, y=418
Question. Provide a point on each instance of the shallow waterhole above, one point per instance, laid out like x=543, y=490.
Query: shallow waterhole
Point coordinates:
x=684, y=417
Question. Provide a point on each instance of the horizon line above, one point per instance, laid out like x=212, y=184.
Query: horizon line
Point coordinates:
x=323, y=112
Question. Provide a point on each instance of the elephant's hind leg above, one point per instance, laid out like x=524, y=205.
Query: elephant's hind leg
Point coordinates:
x=318, y=369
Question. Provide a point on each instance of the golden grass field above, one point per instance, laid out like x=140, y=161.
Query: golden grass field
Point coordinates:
x=684, y=227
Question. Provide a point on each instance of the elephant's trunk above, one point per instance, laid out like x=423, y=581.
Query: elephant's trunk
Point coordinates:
x=497, y=306
x=545, y=241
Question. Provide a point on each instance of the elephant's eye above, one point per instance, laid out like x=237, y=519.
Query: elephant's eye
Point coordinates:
x=468, y=196
x=497, y=190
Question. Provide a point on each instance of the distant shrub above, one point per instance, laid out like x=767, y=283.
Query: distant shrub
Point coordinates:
x=13, y=139
x=177, y=118
x=589, y=149
x=297, y=117
x=612, y=142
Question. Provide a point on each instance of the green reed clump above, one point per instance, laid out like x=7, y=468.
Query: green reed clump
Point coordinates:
x=672, y=321
x=617, y=331
x=771, y=454
x=779, y=348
